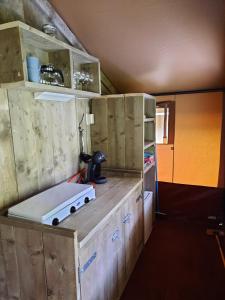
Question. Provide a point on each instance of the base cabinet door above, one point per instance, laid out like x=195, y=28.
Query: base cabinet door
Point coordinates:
x=92, y=268
x=133, y=230
x=115, y=258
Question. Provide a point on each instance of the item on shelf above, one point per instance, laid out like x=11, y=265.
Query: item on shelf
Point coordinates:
x=94, y=167
x=82, y=80
x=148, y=158
x=52, y=76
x=49, y=29
x=33, y=68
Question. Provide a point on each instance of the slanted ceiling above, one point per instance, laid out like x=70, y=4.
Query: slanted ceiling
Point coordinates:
x=154, y=46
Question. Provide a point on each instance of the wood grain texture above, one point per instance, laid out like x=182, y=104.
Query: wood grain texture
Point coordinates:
x=60, y=266
x=37, y=262
x=10, y=57
x=12, y=276
x=45, y=141
x=134, y=132
x=8, y=184
x=110, y=196
x=99, y=131
x=30, y=258
x=116, y=132
x=83, y=107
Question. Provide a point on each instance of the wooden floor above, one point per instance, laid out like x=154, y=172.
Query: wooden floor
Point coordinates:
x=179, y=262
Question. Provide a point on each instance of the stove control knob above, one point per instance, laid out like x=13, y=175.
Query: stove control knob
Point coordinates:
x=72, y=209
x=55, y=222
x=86, y=200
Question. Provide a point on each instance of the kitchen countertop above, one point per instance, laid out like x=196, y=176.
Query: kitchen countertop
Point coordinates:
x=109, y=196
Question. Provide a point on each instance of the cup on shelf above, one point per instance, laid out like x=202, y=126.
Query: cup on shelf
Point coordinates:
x=33, y=68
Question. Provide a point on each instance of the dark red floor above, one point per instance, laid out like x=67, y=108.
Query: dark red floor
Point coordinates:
x=179, y=262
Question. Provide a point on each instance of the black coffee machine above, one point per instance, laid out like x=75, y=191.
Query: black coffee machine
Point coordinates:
x=94, y=166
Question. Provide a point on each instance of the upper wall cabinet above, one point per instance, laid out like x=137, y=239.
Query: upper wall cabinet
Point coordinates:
x=79, y=72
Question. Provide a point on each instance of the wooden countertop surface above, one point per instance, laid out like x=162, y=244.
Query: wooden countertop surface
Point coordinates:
x=108, y=197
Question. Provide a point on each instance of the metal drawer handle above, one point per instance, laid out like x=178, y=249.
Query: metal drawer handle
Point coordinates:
x=88, y=263
x=127, y=218
x=115, y=235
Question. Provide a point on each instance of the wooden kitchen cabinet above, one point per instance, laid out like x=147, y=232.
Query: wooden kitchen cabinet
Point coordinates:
x=108, y=258
x=93, y=262
x=124, y=129
x=102, y=262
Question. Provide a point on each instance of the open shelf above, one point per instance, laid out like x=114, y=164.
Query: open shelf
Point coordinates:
x=18, y=40
x=148, y=144
x=148, y=167
x=88, y=65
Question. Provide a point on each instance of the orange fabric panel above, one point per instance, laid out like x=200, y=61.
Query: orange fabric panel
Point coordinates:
x=165, y=162
x=198, y=138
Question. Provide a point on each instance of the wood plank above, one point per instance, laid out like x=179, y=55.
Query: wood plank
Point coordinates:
x=3, y=280
x=60, y=262
x=10, y=261
x=30, y=258
x=8, y=190
x=71, y=139
x=99, y=131
x=83, y=107
x=134, y=131
x=10, y=61
x=24, y=140
x=59, y=155
x=116, y=132
x=42, y=125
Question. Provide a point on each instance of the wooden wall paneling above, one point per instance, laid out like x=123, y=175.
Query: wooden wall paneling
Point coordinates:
x=3, y=283
x=116, y=132
x=60, y=257
x=30, y=259
x=42, y=125
x=134, y=131
x=59, y=141
x=8, y=182
x=9, y=257
x=83, y=107
x=24, y=141
x=99, y=131
x=71, y=145
x=197, y=138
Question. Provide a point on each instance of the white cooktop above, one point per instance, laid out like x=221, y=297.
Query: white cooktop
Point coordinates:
x=50, y=202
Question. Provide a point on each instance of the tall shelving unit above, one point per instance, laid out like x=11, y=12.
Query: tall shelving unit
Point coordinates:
x=124, y=130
